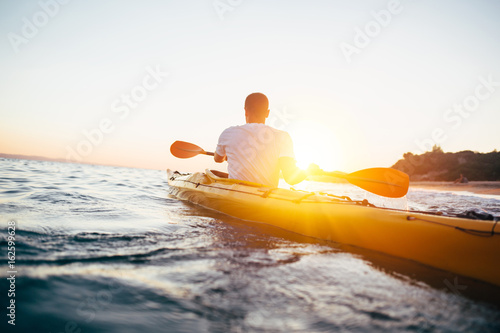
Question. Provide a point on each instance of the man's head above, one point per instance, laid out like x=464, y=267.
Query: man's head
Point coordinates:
x=256, y=108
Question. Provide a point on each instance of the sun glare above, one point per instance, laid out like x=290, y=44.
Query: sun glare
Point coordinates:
x=316, y=143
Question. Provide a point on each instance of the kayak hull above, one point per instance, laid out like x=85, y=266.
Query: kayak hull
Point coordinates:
x=466, y=247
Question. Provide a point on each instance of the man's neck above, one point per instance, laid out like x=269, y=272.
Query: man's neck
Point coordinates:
x=255, y=121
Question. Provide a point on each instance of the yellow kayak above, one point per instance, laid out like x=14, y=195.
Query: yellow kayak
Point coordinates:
x=462, y=246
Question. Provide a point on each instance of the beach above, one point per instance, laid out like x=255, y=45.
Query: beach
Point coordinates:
x=479, y=187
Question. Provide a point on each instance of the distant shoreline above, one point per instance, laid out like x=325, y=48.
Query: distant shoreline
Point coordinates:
x=60, y=160
x=479, y=187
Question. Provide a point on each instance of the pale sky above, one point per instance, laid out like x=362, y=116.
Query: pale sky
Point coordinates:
x=356, y=83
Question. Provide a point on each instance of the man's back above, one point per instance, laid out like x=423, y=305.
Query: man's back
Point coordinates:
x=253, y=151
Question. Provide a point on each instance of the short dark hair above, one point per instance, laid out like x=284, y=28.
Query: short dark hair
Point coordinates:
x=256, y=103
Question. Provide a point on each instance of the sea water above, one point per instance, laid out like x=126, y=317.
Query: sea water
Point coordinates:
x=106, y=249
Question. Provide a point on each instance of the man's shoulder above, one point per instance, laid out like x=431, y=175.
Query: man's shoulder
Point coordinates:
x=230, y=129
x=263, y=127
x=255, y=128
x=280, y=133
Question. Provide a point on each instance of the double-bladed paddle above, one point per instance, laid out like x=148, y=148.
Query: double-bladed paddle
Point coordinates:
x=386, y=182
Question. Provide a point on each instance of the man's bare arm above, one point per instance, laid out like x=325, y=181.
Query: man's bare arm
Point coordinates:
x=292, y=174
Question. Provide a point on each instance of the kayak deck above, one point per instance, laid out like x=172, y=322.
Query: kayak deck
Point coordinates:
x=466, y=247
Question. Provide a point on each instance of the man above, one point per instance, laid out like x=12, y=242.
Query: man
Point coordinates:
x=256, y=152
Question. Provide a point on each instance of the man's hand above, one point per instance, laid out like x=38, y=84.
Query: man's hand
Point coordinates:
x=219, y=159
x=314, y=170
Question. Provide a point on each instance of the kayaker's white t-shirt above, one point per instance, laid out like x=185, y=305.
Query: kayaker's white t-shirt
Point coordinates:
x=253, y=151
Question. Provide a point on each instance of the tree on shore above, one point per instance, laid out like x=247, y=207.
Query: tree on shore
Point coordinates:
x=440, y=166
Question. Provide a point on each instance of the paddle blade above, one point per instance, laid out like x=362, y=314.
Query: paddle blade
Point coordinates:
x=386, y=182
x=183, y=149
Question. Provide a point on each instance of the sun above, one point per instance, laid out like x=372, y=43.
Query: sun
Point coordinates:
x=316, y=143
